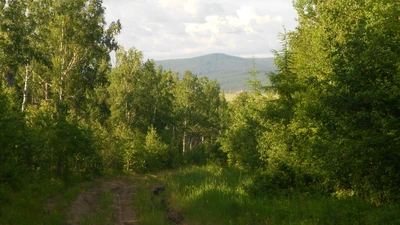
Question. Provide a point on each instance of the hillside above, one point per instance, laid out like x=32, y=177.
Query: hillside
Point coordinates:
x=230, y=71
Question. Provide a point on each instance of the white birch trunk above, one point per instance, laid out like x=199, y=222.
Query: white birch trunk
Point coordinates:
x=25, y=91
x=184, y=142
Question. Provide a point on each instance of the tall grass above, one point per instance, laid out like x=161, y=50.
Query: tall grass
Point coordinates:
x=211, y=195
x=148, y=207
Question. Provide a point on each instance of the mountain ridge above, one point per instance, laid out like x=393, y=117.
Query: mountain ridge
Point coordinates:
x=230, y=71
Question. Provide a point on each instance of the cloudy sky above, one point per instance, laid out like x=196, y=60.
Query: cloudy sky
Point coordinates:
x=172, y=29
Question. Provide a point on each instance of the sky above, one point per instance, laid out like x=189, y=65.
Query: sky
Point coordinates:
x=174, y=29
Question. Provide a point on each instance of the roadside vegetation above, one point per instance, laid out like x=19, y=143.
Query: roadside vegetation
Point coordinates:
x=31, y=203
x=318, y=145
x=215, y=195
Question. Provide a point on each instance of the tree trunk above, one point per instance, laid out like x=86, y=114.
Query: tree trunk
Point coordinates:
x=46, y=91
x=127, y=165
x=184, y=137
x=25, y=92
x=184, y=142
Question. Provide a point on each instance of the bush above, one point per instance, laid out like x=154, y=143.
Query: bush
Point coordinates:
x=143, y=153
x=286, y=180
x=14, y=154
x=61, y=147
x=155, y=152
x=196, y=156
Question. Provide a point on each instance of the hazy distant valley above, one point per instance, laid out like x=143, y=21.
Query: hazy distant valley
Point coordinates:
x=230, y=71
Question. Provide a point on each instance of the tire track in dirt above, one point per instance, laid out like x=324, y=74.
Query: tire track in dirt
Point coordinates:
x=87, y=204
x=123, y=206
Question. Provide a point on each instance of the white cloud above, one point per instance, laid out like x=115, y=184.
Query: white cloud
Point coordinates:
x=246, y=21
x=165, y=29
x=278, y=18
x=191, y=6
x=246, y=14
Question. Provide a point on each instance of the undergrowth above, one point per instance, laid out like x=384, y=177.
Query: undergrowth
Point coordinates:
x=202, y=195
x=148, y=206
x=211, y=195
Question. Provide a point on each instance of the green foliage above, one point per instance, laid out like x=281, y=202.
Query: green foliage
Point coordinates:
x=60, y=147
x=328, y=123
x=54, y=57
x=350, y=100
x=13, y=153
x=214, y=195
x=140, y=95
x=240, y=139
x=287, y=180
x=156, y=151
x=254, y=81
x=141, y=153
x=197, y=110
x=128, y=146
x=333, y=121
x=207, y=153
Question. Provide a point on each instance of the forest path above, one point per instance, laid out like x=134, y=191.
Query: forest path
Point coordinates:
x=90, y=204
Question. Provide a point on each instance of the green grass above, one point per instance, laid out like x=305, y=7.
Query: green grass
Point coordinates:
x=148, y=207
x=27, y=205
x=203, y=195
x=149, y=210
x=210, y=195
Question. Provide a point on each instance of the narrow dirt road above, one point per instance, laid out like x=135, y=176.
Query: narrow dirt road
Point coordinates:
x=87, y=204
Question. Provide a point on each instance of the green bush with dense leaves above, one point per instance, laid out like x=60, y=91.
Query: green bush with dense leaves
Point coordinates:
x=330, y=116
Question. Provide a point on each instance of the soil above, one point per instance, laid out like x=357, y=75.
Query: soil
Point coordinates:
x=87, y=203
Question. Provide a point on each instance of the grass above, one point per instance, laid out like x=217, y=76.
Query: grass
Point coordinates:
x=210, y=195
x=147, y=206
x=230, y=96
x=27, y=205
x=203, y=195
x=105, y=214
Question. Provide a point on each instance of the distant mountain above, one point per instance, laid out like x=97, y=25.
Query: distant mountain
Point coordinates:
x=230, y=71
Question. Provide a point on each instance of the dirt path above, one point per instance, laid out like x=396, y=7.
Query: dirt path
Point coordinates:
x=87, y=204
x=123, y=206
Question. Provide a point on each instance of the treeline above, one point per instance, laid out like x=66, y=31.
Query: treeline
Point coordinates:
x=66, y=112
x=330, y=121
